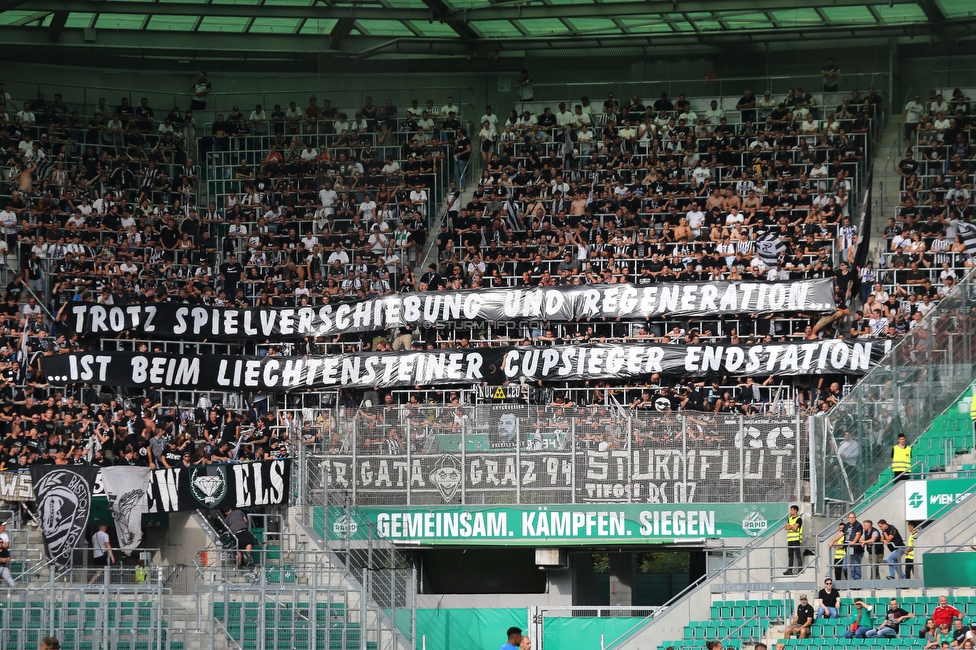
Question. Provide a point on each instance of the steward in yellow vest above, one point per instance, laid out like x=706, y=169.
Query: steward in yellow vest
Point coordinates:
x=794, y=541
x=901, y=458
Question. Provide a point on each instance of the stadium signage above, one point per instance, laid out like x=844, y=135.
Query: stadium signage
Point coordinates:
x=431, y=309
x=554, y=525
x=494, y=366
x=927, y=499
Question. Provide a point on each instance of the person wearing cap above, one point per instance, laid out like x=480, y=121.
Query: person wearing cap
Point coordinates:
x=5, y=556
x=802, y=620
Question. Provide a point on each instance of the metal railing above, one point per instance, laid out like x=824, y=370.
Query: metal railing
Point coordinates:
x=919, y=378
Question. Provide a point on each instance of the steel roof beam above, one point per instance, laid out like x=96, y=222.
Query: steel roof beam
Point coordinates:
x=448, y=15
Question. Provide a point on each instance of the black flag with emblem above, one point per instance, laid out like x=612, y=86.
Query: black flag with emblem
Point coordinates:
x=64, y=499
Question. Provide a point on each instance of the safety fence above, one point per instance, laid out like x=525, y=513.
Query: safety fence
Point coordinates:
x=514, y=453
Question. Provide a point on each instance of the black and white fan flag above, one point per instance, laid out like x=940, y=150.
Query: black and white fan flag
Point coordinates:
x=770, y=246
x=64, y=500
x=127, y=489
x=968, y=232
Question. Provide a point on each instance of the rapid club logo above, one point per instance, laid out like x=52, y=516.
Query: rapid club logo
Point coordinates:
x=755, y=524
x=345, y=526
x=208, y=485
x=447, y=476
x=63, y=512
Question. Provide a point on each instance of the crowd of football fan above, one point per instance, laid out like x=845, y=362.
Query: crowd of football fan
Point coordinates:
x=323, y=207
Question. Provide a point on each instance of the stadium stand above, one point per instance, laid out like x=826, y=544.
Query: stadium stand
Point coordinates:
x=318, y=205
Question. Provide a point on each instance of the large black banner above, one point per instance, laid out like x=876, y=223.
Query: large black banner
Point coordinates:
x=241, y=485
x=64, y=499
x=461, y=366
x=624, y=301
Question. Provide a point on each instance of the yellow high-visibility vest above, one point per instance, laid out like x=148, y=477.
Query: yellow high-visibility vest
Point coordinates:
x=794, y=535
x=901, y=458
x=839, y=551
x=910, y=551
x=972, y=408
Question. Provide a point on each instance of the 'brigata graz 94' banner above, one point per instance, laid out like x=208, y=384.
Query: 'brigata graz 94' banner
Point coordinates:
x=461, y=366
x=626, y=301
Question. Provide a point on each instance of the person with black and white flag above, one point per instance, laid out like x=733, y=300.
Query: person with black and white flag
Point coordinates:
x=968, y=233
x=102, y=553
x=769, y=247
x=5, y=556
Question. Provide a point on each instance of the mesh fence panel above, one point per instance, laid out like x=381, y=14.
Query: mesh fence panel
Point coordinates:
x=527, y=454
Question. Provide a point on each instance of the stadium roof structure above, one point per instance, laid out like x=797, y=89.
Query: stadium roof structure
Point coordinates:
x=371, y=28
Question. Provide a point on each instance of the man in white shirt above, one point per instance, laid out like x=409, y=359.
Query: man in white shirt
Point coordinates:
x=377, y=241
x=5, y=556
x=367, y=208
x=809, y=128
x=259, y=120
x=449, y=107
x=391, y=167
x=579, y=117
x=564, y=117
x=766, y=101
x=328, y=197
x=340, y=256
x=818, y=175
x=490, y=117
x=26, y=116
x=701, y=174
x=293, y=117
x=102, y=552
x=714, y=114
x=425, y=122
x=695, y=217
x=939, y=105
x=911, y=116
x=418, y=197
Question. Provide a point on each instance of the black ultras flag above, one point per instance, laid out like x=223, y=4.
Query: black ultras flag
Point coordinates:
x=494, y=366
x=220, y=486
x=623, y=301
x=127, y=488
x=64, y=498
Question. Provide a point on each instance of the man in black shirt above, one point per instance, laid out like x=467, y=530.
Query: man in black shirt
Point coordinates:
x=802, y=621
x=231, y=272
x=893, y=618
x=896, y=546
x=829, y=600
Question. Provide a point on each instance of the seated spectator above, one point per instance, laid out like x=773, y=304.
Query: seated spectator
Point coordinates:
x=893, y=618
x=802, y=620
x=860, y=622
